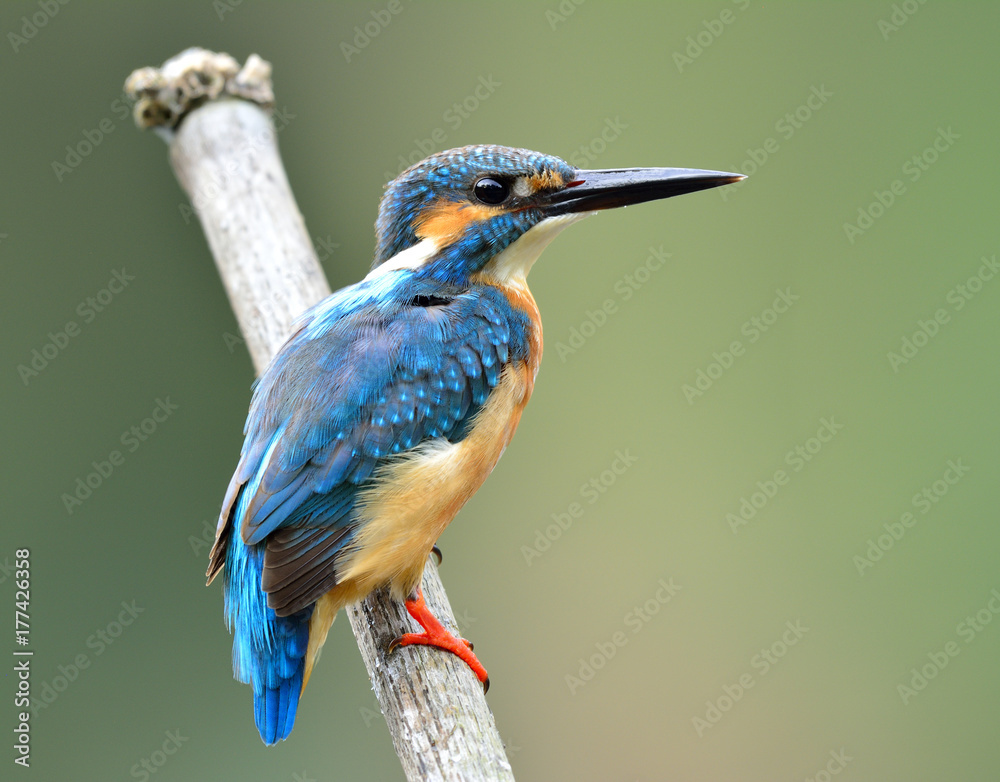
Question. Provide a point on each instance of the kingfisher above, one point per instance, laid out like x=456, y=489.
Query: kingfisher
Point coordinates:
x=392, y=401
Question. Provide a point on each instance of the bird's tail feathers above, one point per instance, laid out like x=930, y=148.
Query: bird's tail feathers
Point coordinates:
x=269, y=651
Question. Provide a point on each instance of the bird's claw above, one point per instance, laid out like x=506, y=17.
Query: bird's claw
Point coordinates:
x=436, y=635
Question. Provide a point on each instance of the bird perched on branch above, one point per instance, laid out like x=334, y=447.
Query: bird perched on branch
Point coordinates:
x=392, y=401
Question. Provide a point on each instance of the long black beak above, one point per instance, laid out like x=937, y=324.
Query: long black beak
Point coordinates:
x=606, y=189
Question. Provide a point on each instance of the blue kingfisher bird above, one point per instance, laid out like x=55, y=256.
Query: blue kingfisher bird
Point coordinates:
x=391, y=402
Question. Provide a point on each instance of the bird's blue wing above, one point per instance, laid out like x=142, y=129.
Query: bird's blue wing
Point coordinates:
x=356, y=384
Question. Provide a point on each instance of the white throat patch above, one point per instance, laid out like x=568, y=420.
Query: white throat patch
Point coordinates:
x=511, y=266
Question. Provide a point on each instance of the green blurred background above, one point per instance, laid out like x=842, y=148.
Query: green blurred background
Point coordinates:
x=784, y=644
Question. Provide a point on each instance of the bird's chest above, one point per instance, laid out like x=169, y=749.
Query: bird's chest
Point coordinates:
x=520, y=300
x=416, y=495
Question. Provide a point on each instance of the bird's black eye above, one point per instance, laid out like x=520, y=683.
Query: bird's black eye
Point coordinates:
x=491, y=191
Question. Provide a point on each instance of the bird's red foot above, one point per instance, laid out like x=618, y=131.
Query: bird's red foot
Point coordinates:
x=436, y=635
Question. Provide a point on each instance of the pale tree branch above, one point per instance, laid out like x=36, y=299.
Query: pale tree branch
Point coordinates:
x=216, y=120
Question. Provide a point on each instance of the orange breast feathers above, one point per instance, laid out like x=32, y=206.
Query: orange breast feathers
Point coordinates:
x=418, y=494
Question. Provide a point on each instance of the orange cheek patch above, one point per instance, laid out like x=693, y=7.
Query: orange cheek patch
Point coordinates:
x=445, y=221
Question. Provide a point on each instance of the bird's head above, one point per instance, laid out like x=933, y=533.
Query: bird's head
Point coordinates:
x=491, y=210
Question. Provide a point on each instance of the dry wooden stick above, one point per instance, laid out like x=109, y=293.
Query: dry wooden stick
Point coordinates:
x=215, y=117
